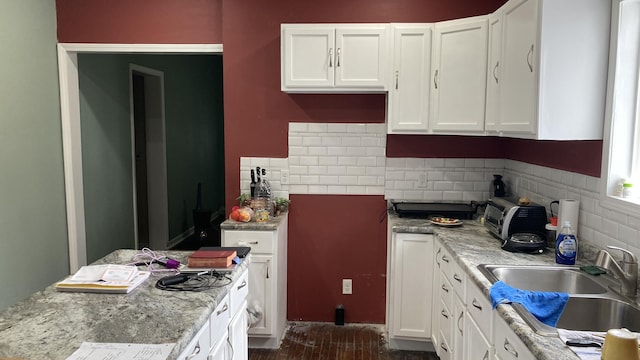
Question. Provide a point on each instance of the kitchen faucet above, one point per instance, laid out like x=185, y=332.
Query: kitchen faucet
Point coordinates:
x=628, y=273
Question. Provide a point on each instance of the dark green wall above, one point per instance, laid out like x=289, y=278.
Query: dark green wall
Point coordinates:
x=194, y=135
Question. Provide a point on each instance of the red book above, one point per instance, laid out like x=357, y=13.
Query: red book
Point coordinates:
x=211, y=258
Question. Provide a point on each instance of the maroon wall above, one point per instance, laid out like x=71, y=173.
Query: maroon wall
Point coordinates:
x=140, y=21
x=338, y=237
x=325, y=244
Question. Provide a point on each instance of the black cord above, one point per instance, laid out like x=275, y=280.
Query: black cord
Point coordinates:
x=197, y=282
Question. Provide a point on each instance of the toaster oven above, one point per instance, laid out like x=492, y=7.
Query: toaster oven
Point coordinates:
x=504, y=218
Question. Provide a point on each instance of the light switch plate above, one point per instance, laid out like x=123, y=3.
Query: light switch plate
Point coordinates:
x=347, y=286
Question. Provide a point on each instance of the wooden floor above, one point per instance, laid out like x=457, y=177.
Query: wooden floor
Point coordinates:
x=327, y=341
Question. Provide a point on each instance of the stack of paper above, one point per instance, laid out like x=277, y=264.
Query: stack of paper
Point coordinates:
x=109, y=278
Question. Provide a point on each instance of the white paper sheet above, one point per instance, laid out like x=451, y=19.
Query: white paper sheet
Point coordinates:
x=115, y=351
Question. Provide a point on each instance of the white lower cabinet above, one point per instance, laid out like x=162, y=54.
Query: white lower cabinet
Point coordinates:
x=410, y=287
x=267, y=292
x=477, y=346
x=219, y=337
x=508, y=345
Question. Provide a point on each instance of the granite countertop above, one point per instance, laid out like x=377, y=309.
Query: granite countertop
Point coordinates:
x=272, y=224
x=471, y=244
x=52, y=325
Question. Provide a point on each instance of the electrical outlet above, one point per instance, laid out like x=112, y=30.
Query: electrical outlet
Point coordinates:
x=347, y=286
x=284, y=176
x=422, y=180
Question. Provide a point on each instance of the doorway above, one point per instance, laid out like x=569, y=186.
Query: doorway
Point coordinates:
x=151, y=227
x=71, y=128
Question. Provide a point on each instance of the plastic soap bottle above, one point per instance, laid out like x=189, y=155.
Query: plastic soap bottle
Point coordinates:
x=566, y=245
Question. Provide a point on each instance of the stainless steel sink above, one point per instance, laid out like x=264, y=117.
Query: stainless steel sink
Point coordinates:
x=544, y=278
x=592, y=306
x=599, y=314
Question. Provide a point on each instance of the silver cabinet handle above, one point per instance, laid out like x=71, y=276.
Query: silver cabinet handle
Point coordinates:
x=244, y=283
x=486, y=355
x=445, y=258
x=495, y=69
x=475, y=304
x=460, y=326
x=444, y=347
x=245, y=243
x=444, y=313
x=530, y=62
x=507, y=346
x=338, y=57
x=457, y=278
x=435, y=79
x=195, y=352
x=437, y=254
x=224, y=308
x=397, y=73
x=445, y=288
x=331, y=57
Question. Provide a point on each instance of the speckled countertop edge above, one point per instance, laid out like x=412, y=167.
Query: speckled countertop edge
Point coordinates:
x=270, y=225
x=471, y=245
x=52, y=325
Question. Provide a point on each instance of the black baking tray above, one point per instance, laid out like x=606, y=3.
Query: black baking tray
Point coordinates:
x=426, y=209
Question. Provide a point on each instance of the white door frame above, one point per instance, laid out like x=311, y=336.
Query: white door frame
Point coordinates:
x=71, y=135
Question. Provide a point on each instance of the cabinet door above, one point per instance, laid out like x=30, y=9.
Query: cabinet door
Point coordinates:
x=239, y=348
x=360, y=56
x=411, y=285
x=508, y=345
x=261, y=293
x=519, y=91
x=459, y=71
x=307, y=57
x=477, y=346
x=458, y=328
x=408, y=97
x=492, y=111
x=220, y=349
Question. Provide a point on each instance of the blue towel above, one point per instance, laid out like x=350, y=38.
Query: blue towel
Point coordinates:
x=545, y=306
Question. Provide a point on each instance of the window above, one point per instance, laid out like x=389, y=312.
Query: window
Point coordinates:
x=621, y=155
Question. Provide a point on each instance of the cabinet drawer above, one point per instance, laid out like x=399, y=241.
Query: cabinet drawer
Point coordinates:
x=479, y=308
x=445, y=289
x=219, y=319
x=444, y=350
x=198, y=348
x=508, y=345
x=260, y=242
x=238, y=293
x=446, y=323
x=458, y=281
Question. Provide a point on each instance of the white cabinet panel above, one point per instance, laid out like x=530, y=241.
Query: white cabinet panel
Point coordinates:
x=239, y=349
x=261, y=292
x=508, y=345
x=459, y=69
x=408, y=98
x=334, y=57
x=492, y=110
x=410, y=289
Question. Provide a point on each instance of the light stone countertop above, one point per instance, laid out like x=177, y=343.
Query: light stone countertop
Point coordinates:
x=270, y=225
x=52, y=325
x=471, y=245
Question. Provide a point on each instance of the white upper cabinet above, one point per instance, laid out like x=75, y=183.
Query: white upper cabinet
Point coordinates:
x=334, y=58
x=408, y=97
x=492, y=107
x=459, y=68
x=554, y=68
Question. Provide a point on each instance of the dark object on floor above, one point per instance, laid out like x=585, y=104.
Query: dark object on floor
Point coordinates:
x=340, y=314
x=311, y=341
x=201, y=219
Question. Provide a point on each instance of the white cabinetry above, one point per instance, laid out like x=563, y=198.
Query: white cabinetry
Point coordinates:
x=492, y=109
x=334, y=58
x=267, y=280
x=448, y=329
x=508, y=344
x=408, y=98
x=554, y=68
x=459, y=67
x=410, y=288
x=478, y=326
x=221, y=338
